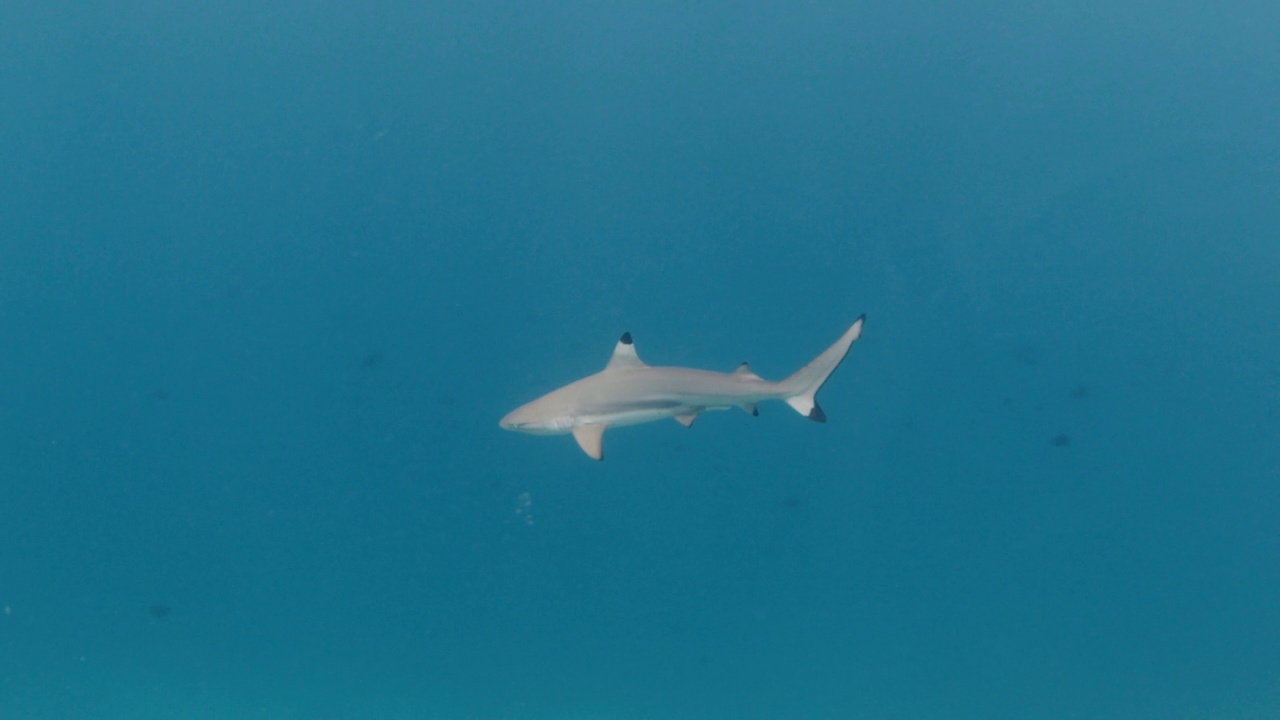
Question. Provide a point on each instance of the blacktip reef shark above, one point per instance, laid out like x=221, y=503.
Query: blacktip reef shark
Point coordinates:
x=629, y=392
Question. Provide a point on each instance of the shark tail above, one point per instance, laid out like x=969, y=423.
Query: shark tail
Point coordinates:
x=801, y=389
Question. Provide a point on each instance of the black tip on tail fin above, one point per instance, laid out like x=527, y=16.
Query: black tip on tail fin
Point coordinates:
x=626, y=338
x=817, y=415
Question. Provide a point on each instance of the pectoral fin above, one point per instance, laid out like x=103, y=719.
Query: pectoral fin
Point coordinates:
x=591, y=439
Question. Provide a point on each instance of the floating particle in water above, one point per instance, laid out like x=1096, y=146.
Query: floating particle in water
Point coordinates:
x=159, y=611
x=371, y=360
x=1060, y=440
x=1079, y=392
x=524, y=507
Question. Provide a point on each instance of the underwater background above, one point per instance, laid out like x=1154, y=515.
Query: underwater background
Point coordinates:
x=271, y=272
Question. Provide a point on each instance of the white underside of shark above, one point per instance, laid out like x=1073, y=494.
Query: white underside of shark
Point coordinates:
x=629, y=392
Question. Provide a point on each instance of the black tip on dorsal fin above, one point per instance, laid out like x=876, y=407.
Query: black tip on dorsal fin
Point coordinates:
x=626, y=338
x=755, y=412
x=817, y=415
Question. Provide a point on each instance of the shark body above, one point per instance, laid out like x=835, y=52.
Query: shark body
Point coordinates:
x=629, y=392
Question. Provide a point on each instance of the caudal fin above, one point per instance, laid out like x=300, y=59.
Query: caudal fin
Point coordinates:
x=802, y=387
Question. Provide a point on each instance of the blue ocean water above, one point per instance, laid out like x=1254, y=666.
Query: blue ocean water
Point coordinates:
x=270, y=273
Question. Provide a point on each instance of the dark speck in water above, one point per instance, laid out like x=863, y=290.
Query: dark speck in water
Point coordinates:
x=1060, y=440
x=159, y=611
x=1079, y=392
x=370, y=360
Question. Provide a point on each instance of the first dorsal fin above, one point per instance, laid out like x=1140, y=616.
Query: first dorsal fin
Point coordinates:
x=624, y=354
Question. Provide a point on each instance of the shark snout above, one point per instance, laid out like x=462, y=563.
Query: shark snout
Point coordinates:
x=531, y=419
x=520, y=420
